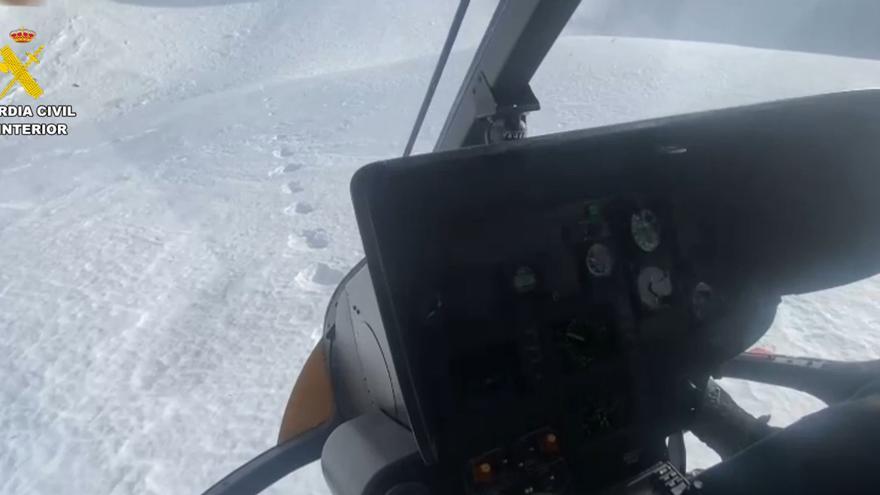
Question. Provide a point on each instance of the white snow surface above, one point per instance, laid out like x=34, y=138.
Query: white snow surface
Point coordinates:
x=164, y=269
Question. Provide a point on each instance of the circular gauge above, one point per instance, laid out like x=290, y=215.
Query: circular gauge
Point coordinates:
x=654, y=284
x=524, y=280
x=599, y=260
x=645, y=230
x=702, y=299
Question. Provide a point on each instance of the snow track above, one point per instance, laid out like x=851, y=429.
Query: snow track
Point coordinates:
x=164, y=269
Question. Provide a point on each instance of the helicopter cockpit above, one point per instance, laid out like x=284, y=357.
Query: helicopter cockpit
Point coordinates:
x=545, y=315
x=559, y=303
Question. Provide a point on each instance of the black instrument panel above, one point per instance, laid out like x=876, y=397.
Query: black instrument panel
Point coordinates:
x=569, y=320
x=580, y=286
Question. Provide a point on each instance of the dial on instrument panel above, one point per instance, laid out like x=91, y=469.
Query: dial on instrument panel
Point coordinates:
x=524, y=280
x=645, y=229
x=702, y=300
x=600, y=261
x=654, y=285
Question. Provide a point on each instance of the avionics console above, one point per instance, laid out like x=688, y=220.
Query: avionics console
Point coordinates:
x=553, y=306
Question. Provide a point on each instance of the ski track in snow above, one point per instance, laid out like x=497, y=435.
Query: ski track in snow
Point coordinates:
x=164, y=274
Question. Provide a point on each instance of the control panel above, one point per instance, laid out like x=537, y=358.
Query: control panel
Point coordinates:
x=531, y=464
x=553, y=330
x=581, y=287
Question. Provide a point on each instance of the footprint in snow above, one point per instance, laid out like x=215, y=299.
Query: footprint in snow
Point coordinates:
x=318, y=274
x=304, y=208
x=301, y=208
x=283, y=152
x=316, y=238
x=285, y=169
x=292, y=187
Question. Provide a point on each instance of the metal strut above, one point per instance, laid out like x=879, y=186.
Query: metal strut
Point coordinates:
x=495, y=96
x=438, y=71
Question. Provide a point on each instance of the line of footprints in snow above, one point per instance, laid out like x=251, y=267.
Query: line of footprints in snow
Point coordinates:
x=314, y=238
x=317, y=273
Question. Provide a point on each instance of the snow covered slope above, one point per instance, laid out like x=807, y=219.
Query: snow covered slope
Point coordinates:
x=164, y=269
x=109, y=56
